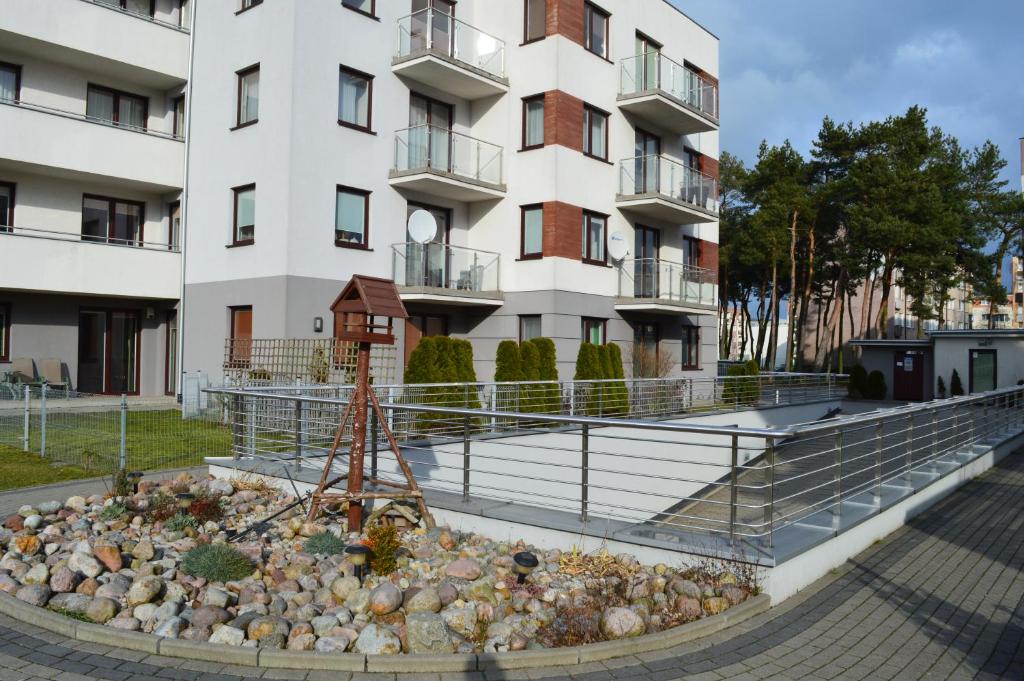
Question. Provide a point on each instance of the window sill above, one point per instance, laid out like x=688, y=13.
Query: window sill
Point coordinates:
x=527, y=258
x=359, y=11
x=599, y=56
x=532, y=41
x=246, y=9
x=244, y=125
x=352, y=247
x=598, y=158
x=241, y=244
x=596, y=263
x=530, y=148
x=358, y=128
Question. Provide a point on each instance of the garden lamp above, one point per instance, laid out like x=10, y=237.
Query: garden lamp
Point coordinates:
x=184, y=500
x=357, y=555
x=134, y=478
x=525, y=563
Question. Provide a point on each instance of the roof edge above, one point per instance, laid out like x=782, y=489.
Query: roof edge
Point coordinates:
x=697, y=23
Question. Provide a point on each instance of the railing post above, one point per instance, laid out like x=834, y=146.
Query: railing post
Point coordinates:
x=878, y=465
x=465, y=459
x=935, y=436
x=572, y=398
x=250, y=425
x=236, y=426
x=910, y=449
x=585, y=473
x=42, y=420
x=768, y=502
x=28, y=417
x=430, y=28
x=298, y=434
x=374, y=436
x=733, y=491
x=122, y=452
x=837, y=481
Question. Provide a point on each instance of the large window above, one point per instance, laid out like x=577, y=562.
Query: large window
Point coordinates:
x=244, y=229
x=595, y=235
x=143, y=7
x=116, y=108
x=595, y=132
x=6, y=206
x=108, y=351
x=593, y=330
x=179, y=116
x=691, y=347
x=248, y=96
x=355, y=99
x=5, y=332
x=595, y=29
x=535, y=20
x=113, y=221
x=367, y=7
x=174, y=223
x=533, y=232
x=248, y=4
x=529, y=327
x=352, y=218
x=10, y=82
x=646, y=357
x=533, y=122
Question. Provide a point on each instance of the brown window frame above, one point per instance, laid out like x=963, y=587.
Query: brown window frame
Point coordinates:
x=587, y=5
x=246, y=8
x=17, y=78
x=589, y=215
x=603, y=323
x=523, y=255
x=116, y=109
x=365, y=246
x=372, y=14
x=235, y=241
x=589, y=110
x=12, y=188
x=232, y=310
x=526, y=102
x=179, y=125
x=526, y=22
x=5, y=342
x=173, y=239
x=111, y=200
x=530, y=316
x=239, y=77
x=690, y=339
x=368, y=77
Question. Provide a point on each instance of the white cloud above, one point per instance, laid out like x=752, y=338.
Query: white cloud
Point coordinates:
x=943, y=45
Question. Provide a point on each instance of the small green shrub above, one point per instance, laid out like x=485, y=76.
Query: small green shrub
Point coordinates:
x=876, y=388
x=742, y=386
x=113, y=511
x=551, y=396
x=857, y=387
x=589, y=367
x=217, y=563
x=121, y=487
x=324, y=543
x=531, y=393
x=616, y=394
x=181, y=522
x=941, y=388
x=319, y=367
x=956, y=386
x=508, y=362
x=383, y=541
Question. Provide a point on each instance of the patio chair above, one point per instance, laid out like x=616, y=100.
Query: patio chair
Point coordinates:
x=23, y=370
x=53, y=373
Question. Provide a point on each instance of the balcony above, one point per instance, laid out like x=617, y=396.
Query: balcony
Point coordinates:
x=672, y=97
x=99, y=36
x=447, y=164
x=658, y=187
x=446, y=275
x=440, y=51
x=63, y=262
x=145, y=159
x=665, y=287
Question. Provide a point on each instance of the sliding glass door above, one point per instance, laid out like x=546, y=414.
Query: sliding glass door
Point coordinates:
x=108, y=352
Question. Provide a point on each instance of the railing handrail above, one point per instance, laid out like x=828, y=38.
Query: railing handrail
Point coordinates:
x=452, y=247
x=672, y=264
x=85, y=118
x=78, y=237
x=137, y=15
x=671, y=161
x=453, y=133
x=430, y=11
x=661, y=56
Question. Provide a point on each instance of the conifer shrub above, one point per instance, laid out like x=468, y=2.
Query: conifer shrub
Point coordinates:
x=742, y=386
x=383, y=542
x=857, y=388
x=551, y=399
x=876, y=388
x=956, y=386
x=216, y=563
x=508, y=368
x=616, y=394
x=530, y=394
x=941, y=388
x=589, y=367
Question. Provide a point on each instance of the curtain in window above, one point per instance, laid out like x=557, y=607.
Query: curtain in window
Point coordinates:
x=127, y=223
x=250, y=97
x=100, y=106
x=139, y=7
x=535, y=122
x=536, y=19
x=351, y=216
x=131, y=112
x=529, y=327
x=419, y=135
x=246, y=214
x=95, y=219
x=8, y=84
x=533, y=231
x=354, y=99
x=597, y=124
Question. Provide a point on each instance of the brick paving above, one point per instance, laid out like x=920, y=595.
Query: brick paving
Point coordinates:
x=942, y=598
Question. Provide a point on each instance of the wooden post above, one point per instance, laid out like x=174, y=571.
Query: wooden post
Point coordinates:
x=358, y=450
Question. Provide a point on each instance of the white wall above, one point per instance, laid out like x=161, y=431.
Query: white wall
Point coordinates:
x=953, y=352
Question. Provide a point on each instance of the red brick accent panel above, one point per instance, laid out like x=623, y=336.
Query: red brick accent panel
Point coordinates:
x=565, y=17
x=563, y=230
x=708, y=255
x=563, y=120
x=709, y=166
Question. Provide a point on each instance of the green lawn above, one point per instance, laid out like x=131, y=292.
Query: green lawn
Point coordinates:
x=20, y=469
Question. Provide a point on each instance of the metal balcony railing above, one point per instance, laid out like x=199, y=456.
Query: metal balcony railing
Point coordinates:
x=430, y=30
x=645, y=73
x=53, y=235
x=664, y=280
x=22, y=104
x=145, y=16
x=429, y=147
x=443, y=266
x=661, y=175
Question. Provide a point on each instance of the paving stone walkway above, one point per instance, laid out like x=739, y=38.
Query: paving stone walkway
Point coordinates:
x=942, y=598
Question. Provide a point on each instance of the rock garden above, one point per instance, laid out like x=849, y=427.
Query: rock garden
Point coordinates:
x=173, y=560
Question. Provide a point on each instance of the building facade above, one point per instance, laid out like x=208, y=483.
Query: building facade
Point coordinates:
x=565, y=152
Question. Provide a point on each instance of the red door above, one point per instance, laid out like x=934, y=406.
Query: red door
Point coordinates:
x=908, y=376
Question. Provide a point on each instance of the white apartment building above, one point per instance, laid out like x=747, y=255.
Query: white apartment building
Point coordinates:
x=566, y=149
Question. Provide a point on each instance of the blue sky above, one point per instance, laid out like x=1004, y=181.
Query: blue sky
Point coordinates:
x=787, y=63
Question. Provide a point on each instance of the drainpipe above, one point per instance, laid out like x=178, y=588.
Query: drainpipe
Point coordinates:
x=184, y=200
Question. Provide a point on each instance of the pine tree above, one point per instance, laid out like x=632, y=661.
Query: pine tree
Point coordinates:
x=617, y=393
x=530, y=393
x=956, y=386
x=551, y=401
x=508, y=368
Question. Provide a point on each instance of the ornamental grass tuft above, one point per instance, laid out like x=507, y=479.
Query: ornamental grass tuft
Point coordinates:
x=217, y=563
x=324, y=543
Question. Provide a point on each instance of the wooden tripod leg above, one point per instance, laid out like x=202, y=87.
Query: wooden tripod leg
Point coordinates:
x=314, y=505
x=420, y=503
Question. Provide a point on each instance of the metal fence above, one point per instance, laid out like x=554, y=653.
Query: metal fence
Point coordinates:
x=700, y=487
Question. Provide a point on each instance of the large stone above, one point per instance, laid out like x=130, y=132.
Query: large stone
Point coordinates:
x=64, y=580
x=75, y=604
x=375, y=640
x=302, y=642
x=27, y=544
x=428, y=633
x=343, y=587
x=424, y=600
x=461, y=620
x=127, y=623
x=323, y=624
x=38, y=574
x=76, y=504
x=220, y=487
x=14, y=523
x=621, y=623
x=332, y=644
x=144, y=550
x=733, y=594
x=464, y=569
x=102, y=610
x=217, y=598
x=169, y=628
x=385, y=598
x=359, y=602
x=209, y=615
x=8, y=584
x=685, y=587
x=715, y=605
x=36, y=594
x=34, y=521
x=144, y=590
x=144, y=611
x=109, y=554
x=689, y=608
x=266, y=627
x=227, y=636
x=85, y=564
x=49, y=507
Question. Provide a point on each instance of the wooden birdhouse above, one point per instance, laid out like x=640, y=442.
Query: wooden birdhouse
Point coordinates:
x=364, y=310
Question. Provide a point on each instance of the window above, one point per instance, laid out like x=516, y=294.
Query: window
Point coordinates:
x=10, y=82
x=248, y=96
x=116, y=108
x=244, y=231
x=355, y=99
x=185, y=13
x=179, y=116
x=646, y=353
x=5, y=332
x=533, y=122
x=143, y=7
x=352, y=218
x=595, y=132
x=535, y=20
x=248, y=4
x=174, y=225
x=532, y=232
x=691, y=347
x=595, y=232
x=367, y=7
x=691, y=251
x=594, y=330
x=529, y=327
x=112, y=221
x=6, y=206
x=595, y=29
x=109, y=341
x=240, y=351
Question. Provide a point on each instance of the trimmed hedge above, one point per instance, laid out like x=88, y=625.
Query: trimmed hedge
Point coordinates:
x=744, y=386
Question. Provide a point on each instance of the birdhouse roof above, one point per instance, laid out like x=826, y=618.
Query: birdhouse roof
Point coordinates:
x=371, y=295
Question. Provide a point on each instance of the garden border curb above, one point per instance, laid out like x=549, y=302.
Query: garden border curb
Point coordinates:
x=354, y=662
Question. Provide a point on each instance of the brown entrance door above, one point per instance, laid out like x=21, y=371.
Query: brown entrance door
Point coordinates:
x=908, y=376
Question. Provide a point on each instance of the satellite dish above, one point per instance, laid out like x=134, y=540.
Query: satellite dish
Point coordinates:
x=422, y=227
x=617, y=246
